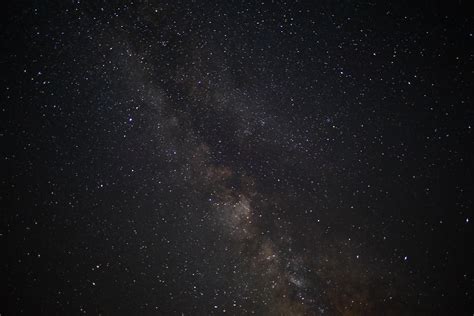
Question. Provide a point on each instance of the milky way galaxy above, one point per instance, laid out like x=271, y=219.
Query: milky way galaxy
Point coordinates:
x=236, y=158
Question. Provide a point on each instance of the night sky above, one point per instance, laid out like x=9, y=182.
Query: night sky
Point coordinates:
x=237, y=158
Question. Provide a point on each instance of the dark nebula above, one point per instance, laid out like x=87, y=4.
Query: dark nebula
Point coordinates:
x=237, y=157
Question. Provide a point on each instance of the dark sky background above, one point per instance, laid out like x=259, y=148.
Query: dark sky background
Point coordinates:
x=236, y=157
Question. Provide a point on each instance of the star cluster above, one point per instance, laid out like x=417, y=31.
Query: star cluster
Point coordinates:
x=212, y=158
